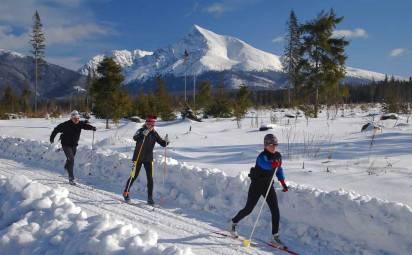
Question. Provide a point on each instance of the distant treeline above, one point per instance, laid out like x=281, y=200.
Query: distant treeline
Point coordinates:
x=383, y=91
x=387, y=91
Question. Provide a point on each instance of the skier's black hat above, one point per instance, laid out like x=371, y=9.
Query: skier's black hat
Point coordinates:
x=270, y=139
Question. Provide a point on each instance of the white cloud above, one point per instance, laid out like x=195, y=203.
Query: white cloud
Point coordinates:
x=194, y=9
x=279, y=39
x=19, y=13
x=223, y=6
x=355, y=33
x=69, y=34
x=8, y=40
x=216, y=8
x=66, y=2
x=54, y=35
x=64, y=22
x=399, y=52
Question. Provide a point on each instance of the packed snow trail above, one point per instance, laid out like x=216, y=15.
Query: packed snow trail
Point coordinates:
x=313, y=221
x=173, y=227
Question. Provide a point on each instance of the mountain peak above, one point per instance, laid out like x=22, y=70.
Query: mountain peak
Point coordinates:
x=209, y=51
x=197, y=27
x=12, y=53
x=203, y=31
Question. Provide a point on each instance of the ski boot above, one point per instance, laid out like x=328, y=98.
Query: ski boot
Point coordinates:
x=277, y=242
x=233, y=229
x=150, y=201
x=71, y=182
x=126, y=197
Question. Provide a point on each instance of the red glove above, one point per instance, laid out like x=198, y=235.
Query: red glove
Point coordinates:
x=276, y=163
x=285, y=187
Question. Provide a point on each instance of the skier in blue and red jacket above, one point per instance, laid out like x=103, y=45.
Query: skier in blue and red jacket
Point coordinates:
x=268, y=161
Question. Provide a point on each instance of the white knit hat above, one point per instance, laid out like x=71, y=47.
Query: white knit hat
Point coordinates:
x=74, y=114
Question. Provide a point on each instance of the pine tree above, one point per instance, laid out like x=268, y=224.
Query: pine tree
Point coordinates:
x=292, y=56
x=89, y=83
x=9, y=100
x=143, y=108
x=204, y=96
x=109, y=98
x=241, y=104
x=345, y=91
x=25, y=99
x=124, y=105
x=221, y=105
x=324, y=58
x=38, y=44
x=163, y=101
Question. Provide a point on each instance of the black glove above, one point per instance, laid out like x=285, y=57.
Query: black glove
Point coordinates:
x=94, y=129
x=51, y=140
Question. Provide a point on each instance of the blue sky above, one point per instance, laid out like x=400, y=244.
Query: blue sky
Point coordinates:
x=379, y=31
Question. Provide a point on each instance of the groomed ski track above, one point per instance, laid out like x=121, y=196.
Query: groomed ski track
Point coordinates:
x=174, y=225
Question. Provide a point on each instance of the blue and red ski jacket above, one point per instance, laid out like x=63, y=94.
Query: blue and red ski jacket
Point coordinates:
x=264, y=170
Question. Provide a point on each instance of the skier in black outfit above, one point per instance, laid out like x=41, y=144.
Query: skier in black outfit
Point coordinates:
x=261, y=175
x=69, y=138
x=145, y=138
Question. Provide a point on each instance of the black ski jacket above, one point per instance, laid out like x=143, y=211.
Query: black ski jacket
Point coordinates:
x=70, y=132
x=146, y=154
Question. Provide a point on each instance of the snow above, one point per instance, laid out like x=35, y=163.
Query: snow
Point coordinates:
x=36, y=219
x=368, y=75
x=11, y=53
x=350, y=198
x=124, y=58
x=364, y=74
x=79, y=89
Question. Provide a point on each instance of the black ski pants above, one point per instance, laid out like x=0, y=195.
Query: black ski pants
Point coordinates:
x=257, y=189
x=148, y=166
x=70, y=152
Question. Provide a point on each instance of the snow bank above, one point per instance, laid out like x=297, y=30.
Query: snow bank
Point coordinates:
x=338, y=220
x=35, y=219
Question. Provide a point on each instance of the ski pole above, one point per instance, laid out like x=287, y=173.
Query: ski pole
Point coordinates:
x=91, y=157
x=164, y=163
x=133, y=171
x=246, y=242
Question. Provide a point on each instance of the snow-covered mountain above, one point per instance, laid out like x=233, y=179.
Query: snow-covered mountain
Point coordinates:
x=355, y=73
x=17, y=70
x=214, y=57
x=11, y=53
x=207, y=51
x=124, y=58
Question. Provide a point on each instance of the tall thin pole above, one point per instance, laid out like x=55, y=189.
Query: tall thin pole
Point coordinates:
x=194, y=91
x=185, y=87
x=35, y=85
x=186, y=56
